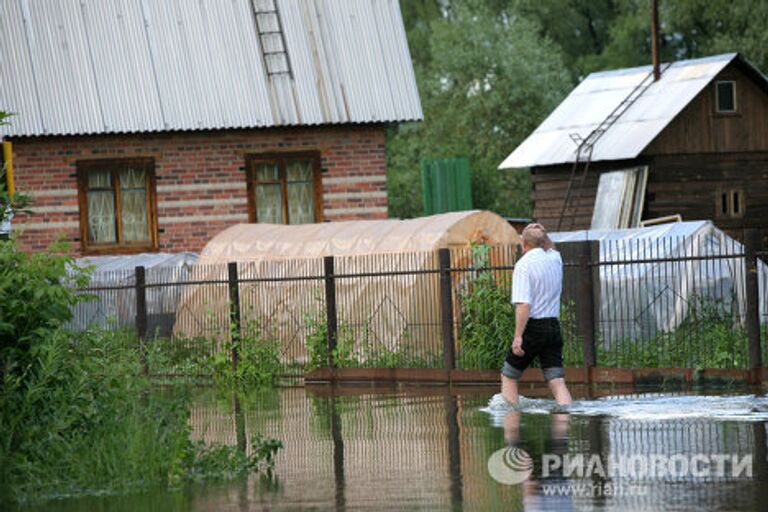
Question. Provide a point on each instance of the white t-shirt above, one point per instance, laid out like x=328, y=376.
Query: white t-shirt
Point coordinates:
x=538, y=280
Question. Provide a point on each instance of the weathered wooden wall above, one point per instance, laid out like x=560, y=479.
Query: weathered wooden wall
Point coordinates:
x=691, y=185
x=699, y=129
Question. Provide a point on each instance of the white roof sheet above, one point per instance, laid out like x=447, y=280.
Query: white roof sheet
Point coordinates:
x=115, y=66
x=599, y=94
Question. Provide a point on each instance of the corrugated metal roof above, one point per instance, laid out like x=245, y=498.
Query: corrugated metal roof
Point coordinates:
x=599, y=94
x=111, y=66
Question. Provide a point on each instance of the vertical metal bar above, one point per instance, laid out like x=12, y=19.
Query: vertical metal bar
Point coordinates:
x=587, y=304
x=454, y=451
x=446, y=309
x=752, y=241
x=234, y=312
x=240, y=430
x=337, y=437
x=141, y=315
x=330, y=308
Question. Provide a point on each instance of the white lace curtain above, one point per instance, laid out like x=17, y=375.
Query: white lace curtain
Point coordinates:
x=103, y=196
x=299, y=193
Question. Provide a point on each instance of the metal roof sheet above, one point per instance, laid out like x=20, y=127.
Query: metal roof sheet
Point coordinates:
x=599, y=94
x=114, y=66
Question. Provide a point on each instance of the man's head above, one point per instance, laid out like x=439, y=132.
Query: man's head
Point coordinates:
x=533, y=237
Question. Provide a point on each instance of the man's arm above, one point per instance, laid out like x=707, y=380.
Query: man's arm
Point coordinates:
x=521, y=297
x=522, y=312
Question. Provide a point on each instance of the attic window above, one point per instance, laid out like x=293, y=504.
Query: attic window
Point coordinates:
x=271, y=38
x=725, y=96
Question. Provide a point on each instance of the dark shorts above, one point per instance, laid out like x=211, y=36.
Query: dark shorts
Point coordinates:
x=541, y=339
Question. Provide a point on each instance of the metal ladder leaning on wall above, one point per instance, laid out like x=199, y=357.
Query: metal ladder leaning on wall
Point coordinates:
x=586, y=145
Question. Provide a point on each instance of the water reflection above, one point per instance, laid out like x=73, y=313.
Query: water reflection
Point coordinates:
x=428, y=448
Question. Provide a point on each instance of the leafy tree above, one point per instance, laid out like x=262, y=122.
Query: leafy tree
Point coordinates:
x=580, y=28
x=688, y=29
x=489, y=81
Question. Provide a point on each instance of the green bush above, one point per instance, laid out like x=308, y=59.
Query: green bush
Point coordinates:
x=487, y=317
x=707, y=338
x=317, y=343
x=369, y=355
x=258, y=363
x=36, y=298
x=76, y=414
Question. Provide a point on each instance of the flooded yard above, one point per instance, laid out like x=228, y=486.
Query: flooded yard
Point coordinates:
x=428, y=448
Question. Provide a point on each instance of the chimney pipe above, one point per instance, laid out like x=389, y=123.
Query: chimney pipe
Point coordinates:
x=655, y=40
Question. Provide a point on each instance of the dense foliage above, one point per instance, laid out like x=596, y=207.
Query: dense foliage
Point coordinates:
x=76, y=414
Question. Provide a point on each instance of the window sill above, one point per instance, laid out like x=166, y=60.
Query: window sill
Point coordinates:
x=113, y=250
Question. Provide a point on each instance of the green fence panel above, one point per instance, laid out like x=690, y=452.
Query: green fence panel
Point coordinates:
x=447, y=185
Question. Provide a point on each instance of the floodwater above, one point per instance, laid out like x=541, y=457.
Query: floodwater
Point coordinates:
x=428, y=448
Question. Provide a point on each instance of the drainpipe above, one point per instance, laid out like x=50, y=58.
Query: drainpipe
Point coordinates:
x=8, y=161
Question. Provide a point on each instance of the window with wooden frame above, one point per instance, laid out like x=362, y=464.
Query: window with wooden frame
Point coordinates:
x=725, y=96
x=117, y=205
x=284, y=188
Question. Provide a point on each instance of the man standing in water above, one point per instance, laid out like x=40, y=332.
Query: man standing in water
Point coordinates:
x=537, y=283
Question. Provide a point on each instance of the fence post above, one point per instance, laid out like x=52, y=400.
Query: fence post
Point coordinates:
x=752, y=242
x=234, y=311
x=588, y=256
x=331, y=320
x=141, y=315
x=446, y=308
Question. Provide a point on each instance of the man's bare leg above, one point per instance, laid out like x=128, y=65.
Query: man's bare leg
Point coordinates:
x=509, y=389
x=559, y=391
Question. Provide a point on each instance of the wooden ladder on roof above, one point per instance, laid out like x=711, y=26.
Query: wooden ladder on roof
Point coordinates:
x=585, y=146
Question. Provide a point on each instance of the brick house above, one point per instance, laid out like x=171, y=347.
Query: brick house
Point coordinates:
x=152, y=125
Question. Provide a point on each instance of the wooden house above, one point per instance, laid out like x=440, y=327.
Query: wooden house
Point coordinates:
x=151, y=125
x=699, y=134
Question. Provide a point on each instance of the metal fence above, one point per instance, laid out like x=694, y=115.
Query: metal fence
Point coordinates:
x=625, y=304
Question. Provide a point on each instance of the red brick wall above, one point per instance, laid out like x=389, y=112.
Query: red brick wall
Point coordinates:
x=201, y=185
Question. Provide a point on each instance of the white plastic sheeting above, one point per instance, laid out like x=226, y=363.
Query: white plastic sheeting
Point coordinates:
x=640, y=300
x=115, y=305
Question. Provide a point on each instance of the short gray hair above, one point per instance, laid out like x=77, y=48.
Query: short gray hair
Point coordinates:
x=535, y=237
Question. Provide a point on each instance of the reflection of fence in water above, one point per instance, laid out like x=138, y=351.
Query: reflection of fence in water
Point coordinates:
x=360, y=446
x=357, y=442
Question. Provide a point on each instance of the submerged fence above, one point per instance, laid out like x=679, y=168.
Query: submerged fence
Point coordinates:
x=626, y=304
